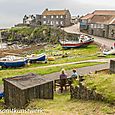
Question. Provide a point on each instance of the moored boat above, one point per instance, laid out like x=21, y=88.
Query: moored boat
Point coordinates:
x=82, y=42
x=37, y=58
x=110, y=52
x=12, y=61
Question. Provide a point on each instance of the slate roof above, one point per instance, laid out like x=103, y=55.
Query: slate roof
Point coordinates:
x=102, y=19
x=99, y=12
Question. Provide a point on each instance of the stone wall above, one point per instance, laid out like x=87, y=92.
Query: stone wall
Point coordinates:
x=111, y=32
x=82, y=92
x=99, y=32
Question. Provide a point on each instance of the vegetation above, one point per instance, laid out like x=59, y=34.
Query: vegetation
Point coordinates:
x=39, y=34
x=62, y=104
x=103, y=84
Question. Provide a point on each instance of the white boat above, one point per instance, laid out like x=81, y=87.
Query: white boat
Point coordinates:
x=112, y=51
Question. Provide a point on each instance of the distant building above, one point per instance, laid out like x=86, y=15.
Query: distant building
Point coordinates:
x=112, y=29
x=56, y=18
x=84, y=20
x=99, y=25
x=74, y=19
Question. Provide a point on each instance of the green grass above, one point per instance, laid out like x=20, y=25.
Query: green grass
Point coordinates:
x=104, y=84
x=47, y=70
x=62, y=104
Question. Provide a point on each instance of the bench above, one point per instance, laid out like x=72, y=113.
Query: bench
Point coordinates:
x=68, y=84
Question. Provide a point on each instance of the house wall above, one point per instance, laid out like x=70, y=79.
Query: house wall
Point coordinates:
x=111, y=31
x=64, y=21
x=98, y=31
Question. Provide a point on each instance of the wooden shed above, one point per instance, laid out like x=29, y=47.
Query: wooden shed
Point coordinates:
x=20, y=90
x=112, y=66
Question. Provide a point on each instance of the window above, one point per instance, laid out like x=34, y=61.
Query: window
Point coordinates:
x=57, y=22
x=44, y=16
x=52, y=16
x=102, y=26
x=61, y=16
x=44, y=22
x=91, y=25
x=56, y=16
x=61, y=22
x=51, y=22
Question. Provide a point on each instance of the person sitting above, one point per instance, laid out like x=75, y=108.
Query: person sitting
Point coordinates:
x=73, y=77
x=63, y=80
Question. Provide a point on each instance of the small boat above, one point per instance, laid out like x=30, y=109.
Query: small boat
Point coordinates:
x=13, y=61
x=82, y=42
x=112, y=51
x=37, y=58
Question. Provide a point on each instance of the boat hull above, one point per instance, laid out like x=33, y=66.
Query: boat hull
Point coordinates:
x=18, y=63
x=38, y=58
x=76, y=45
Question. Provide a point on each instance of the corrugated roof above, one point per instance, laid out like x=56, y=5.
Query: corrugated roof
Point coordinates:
x=102, y=19
x=54, y=12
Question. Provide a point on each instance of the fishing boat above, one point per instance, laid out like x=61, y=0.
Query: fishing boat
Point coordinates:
x=81, y=42
x=13, y=61
x=37, y=58
x=110, y=52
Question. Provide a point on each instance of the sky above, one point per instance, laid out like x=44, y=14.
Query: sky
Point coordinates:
x=12, y=11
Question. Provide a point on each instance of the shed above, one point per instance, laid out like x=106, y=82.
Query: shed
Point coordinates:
x=112, y=66
x=19, y=90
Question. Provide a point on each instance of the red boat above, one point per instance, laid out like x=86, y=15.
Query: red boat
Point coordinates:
x=82, y=42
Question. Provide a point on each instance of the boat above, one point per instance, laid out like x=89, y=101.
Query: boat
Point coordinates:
x=37, y=58
x=81, y=42
x=110, y=52
x=13, y=61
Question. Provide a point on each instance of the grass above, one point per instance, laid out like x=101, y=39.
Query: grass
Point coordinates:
x=62, y=104
x=103, y=84
x=47, y=70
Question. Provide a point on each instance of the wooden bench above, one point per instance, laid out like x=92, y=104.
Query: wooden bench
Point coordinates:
x=68, y=84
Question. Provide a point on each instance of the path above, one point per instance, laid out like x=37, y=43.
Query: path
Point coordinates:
x=81, y=71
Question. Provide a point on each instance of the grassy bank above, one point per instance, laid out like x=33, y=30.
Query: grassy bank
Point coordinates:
x=103, y=83
x=62, y=104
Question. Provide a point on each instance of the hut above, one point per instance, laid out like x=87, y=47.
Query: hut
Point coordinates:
x=112, y=66
x=19, y=90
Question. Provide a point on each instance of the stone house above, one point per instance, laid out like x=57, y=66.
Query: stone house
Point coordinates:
x=58, y=18
x=99, y=25
x=84, y=21
x=112, y=29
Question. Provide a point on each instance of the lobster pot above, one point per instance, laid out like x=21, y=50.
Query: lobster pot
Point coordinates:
x=20, y=90
x=112, y=66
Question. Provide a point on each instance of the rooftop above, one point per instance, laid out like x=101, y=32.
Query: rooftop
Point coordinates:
x=102, y=19
x=26, y=81
x=54, y=12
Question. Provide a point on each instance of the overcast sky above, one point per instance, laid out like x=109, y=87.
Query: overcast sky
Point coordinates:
x=12, y=11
